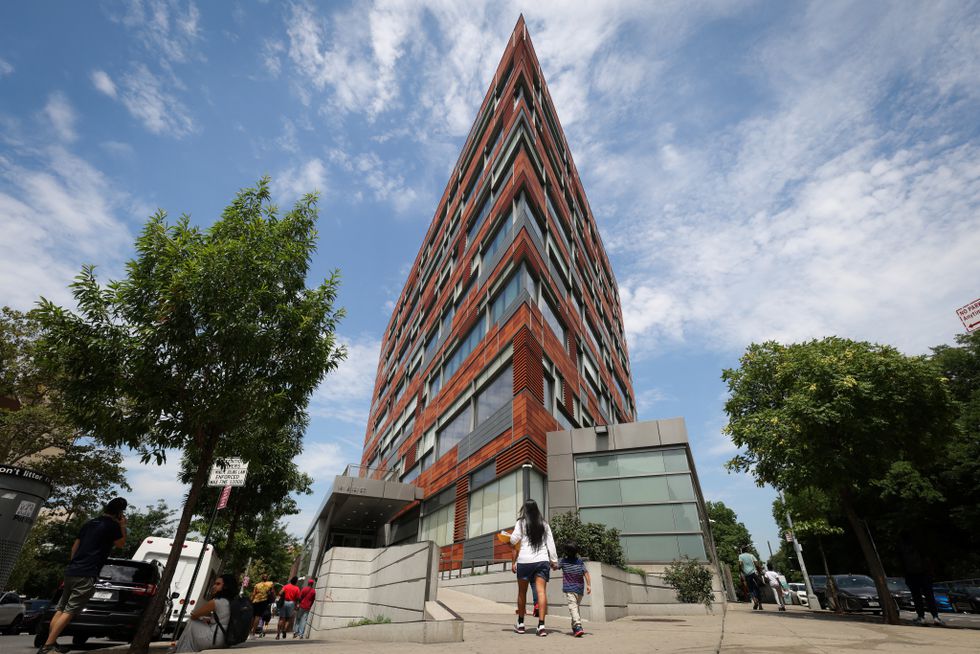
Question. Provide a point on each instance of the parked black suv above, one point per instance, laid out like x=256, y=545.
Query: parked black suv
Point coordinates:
x=122, y=595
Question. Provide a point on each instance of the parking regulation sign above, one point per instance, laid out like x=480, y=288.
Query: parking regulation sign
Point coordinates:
x=970, y=315
x=232, y=473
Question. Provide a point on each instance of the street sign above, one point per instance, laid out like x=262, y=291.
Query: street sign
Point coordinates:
x=223, y=500
x=970, y=315
x=788, y=536
x=232, y=474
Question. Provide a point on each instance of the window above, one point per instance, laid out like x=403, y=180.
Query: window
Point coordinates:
x=480, y=217
x=430, y=345
x=495, y=506
x=454, y=431
x=498, y=241
x=552, y=319
x=496, y=395
x=468, y=344
x=438, y=526
x=505, y=296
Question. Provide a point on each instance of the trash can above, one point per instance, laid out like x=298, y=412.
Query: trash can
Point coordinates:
x=22, y=492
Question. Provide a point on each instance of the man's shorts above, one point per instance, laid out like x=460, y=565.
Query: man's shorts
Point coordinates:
x=76, y=594
x=528, y=571
x=260, y=608
x=287, y=610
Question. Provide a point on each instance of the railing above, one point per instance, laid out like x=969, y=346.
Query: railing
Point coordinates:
x=364, y=472
x=448, y=567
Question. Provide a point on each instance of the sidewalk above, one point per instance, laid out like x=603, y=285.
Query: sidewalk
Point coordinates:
x=738, y=631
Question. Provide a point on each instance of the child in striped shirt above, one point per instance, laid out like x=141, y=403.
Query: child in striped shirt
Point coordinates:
x=574, y=581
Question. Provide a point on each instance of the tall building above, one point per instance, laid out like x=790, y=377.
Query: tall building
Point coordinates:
x=509, y=325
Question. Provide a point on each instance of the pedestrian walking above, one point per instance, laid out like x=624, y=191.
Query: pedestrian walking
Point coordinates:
x=918, y=577
x=575, y=581
x=748, y=563
x=306, y=598
x=263, y=594
x=771, y=577
x=89, y=552
x=534, y=558
x=289, y=595
x=203, y=630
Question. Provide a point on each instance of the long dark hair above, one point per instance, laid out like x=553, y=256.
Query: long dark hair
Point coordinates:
x=229, y=590
x=533, y=523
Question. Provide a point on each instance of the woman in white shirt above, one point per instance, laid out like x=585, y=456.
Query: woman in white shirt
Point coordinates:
x=208, y=622
x=534, y=558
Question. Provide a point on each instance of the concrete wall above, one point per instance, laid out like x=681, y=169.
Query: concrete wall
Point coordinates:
x=615, y=593
x=395, y=582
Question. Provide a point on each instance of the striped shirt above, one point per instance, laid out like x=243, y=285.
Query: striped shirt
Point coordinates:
x=572, y=576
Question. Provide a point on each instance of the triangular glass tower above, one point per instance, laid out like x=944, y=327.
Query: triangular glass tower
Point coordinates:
x=509, y=326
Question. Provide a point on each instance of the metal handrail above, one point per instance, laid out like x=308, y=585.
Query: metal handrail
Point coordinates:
x=473, y=564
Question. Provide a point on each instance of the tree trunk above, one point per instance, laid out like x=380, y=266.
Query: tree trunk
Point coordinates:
x=141, y=641
x=232, y=528
x=888, y=609
x=831, y=587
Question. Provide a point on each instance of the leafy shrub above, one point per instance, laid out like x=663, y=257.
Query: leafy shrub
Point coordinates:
x=596, y=542
x=691, y=580
x=378, y=619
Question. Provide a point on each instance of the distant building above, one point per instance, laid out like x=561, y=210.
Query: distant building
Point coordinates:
x=509, y=327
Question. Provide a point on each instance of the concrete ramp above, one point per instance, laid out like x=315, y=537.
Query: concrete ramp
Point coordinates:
x=463, y=603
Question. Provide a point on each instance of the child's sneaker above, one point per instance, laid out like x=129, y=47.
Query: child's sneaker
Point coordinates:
x=542, y=631
x=577, y=630
x=519, y=628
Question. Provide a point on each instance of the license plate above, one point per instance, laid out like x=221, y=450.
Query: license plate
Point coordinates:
x=872, y=603
x=102, y=595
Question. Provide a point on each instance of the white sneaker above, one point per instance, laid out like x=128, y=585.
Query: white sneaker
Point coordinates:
x=936, y=620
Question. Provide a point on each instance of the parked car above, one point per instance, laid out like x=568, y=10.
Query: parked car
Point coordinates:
x=964, y=597
x=857, y=593
x=941, y=593
x=12, y=612
x=901, y=594
x=123, y=593
x=35, y=611
x=799, y=590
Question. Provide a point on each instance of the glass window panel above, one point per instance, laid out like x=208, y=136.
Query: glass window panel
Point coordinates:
x=680, y=487
x=537, y=490
x=650, y=518
x=590, y=467
x=484, y=475
x=651, y=548
x=644, y=489
x=686, y=517
x=491, y=507
x=612, y=517
x=508, y=505
x=675, y=461
x=454, y=431
x=641, y=463
x=552, y=320
x=474, y=525
x=591, y=493
x=692, y=547
x=496, y=395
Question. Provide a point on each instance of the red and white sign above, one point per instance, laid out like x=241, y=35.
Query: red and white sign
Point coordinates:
x=223, y=500
x=970, y=315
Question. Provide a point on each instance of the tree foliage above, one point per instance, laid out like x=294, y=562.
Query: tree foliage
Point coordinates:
x=691, y=580
x=153, y=520
x=841, y=416
x=596, y=541
x=730, y=535
x=212, y=337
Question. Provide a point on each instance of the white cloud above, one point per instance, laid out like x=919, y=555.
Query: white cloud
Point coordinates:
x=321, y=460
x=346, y=392
x=61, y=116
x=144, y=95
x=295, y=182
x=151, y=482
x=165, y=27
x=104, y=83
x=57, y=212
x=6, y=68
x=379, y=176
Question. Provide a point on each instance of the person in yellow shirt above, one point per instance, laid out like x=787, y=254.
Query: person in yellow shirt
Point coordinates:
x=263, y=594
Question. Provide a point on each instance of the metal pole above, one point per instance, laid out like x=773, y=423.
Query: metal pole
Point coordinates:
x=811, y=596
x=526, y=478
x=197, y=568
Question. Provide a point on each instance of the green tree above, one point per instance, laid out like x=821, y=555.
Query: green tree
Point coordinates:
x=730, y=536
x=154, y=520
x=838, y=415
x=211, y=335
x=596, y=541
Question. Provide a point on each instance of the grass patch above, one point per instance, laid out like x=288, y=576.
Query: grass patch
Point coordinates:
x=636, y=571
x=378, y=619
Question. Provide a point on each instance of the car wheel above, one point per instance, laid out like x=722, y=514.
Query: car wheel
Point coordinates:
x=78, y=641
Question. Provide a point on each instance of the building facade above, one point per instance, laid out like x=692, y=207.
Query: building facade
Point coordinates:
x=509, y=326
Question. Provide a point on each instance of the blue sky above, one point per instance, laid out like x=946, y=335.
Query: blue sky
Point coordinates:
x=757, y=170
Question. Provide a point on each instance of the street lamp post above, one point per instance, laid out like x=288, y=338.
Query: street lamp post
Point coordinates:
x=812, y=600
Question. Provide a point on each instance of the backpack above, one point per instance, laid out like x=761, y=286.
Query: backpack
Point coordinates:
x=239, y=622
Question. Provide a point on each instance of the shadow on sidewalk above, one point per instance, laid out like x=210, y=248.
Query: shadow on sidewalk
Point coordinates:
x=828, y=616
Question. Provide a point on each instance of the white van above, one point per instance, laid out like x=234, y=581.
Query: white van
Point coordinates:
x=158, y=549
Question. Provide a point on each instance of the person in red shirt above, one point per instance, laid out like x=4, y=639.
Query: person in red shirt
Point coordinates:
x=306, y=598
x=289, y=595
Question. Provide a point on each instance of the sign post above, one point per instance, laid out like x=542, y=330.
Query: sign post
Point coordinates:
x=227, y=472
